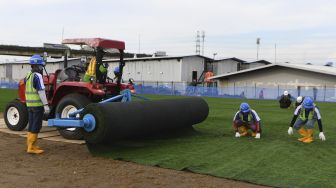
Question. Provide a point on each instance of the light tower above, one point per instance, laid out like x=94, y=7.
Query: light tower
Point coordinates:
x=198, y=45
x=203, y=36
x=258, y=43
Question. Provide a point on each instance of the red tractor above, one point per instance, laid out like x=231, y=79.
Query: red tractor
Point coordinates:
x=66, y=92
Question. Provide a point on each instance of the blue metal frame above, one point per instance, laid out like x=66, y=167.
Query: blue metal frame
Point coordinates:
x=88, y=123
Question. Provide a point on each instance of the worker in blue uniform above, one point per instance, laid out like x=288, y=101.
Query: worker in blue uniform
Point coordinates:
x=36, y=102
x=117, y=73
x=245, y=120
x=306, y=114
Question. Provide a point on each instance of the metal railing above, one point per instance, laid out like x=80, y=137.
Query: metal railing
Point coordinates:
x=248, y=92
x=9, y=85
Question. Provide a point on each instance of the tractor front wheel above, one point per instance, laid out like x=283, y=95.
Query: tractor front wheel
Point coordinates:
x=67, y=105
x=16, y=115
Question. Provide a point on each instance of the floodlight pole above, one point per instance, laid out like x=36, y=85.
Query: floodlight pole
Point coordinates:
x=275, y=48
x=258, y=43
x=214, y=55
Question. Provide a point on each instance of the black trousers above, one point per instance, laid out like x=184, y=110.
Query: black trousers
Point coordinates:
x=35, y=115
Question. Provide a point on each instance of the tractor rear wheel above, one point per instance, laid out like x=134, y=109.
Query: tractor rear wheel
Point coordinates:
x=67, y=105
x=16, y=115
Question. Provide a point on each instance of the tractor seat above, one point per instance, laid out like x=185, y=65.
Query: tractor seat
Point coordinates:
x=71, y=74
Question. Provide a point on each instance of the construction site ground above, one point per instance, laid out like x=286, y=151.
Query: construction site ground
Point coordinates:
x=70, y=164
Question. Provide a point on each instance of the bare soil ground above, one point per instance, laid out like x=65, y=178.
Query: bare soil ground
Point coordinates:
x=71, y=165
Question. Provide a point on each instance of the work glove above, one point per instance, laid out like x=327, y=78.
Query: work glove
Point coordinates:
x=257, y=136
x=290, y=130
x=237, y=135
x=322, y=137
x=46, y=110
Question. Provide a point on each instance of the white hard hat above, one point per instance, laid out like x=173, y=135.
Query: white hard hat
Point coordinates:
x=285, y=92
x=299, y=99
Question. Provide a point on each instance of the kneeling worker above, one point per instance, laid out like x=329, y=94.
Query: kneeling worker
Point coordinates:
x=285, y=100
x=308, y=113
x=36, y=102
x=246, y=119
x=299, y=101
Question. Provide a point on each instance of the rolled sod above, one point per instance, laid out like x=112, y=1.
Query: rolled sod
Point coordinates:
x=122, y=120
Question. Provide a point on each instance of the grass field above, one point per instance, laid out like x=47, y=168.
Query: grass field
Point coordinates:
x=277, y=159
x=6, y=95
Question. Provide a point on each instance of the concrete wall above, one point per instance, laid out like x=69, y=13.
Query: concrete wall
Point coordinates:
x=282, y=76
x=190, y=64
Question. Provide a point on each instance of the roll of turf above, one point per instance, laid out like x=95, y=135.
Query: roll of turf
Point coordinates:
x=120, y=120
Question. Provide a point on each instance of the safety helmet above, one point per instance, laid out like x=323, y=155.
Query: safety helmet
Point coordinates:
x=244, y=107
x=116, y=70
x=286, y=93
x=308, y=102
x=299, y=99
x=36, y=60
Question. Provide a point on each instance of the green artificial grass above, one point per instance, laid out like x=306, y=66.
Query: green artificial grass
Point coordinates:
x=277, y=159
x=7, y=95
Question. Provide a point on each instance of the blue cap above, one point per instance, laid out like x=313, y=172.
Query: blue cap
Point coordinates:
x=117, y=70
x=36, y=60
x=308, y=102
x=244, y=107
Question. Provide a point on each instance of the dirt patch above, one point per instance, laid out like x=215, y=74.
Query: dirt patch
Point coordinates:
x=71, y=165
x=1, y=115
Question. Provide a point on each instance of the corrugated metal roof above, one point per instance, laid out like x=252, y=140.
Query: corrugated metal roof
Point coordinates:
x=259, y=61
x=311, y=68
x=231, y=58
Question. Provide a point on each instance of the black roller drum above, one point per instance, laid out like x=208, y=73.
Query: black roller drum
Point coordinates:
x=119, y=120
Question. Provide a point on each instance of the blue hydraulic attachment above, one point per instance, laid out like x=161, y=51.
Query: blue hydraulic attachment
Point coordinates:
x=88, y=123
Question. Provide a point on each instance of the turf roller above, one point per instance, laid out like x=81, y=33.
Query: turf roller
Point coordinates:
x=119, y=120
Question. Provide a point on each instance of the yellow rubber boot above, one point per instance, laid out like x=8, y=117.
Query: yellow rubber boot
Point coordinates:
x=28, y=143
x=309, y=138
x=31, y=140
x=303, y=133
x=242, y=131
x=34, y=146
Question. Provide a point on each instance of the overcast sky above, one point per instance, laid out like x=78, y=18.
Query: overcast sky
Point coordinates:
x=302, y=30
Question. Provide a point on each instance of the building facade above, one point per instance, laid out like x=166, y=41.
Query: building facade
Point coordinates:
x=287, y=75
x=162, y=69
x=148, y=69
x=269, y=81
x=224, y=66
x=15, y=71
